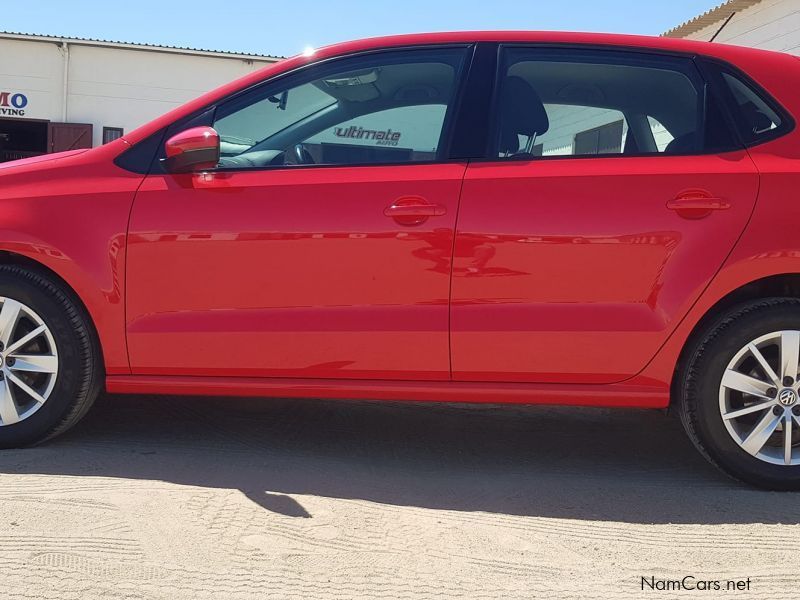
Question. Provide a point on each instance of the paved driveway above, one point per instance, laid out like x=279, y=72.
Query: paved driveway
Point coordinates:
x=226, y=498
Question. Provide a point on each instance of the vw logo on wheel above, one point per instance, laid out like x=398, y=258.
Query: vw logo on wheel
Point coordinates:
x=787, y=397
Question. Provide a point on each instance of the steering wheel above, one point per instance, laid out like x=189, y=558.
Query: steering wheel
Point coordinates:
x=302, y=155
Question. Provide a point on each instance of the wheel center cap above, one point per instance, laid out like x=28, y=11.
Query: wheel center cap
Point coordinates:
x=787, y=397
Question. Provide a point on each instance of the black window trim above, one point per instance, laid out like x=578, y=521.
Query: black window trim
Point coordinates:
x=472, y=129
x=696, y=76
x=471, y=132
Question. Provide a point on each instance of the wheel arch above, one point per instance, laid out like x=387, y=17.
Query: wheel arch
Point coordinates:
x=12, y=258
x=785, y=285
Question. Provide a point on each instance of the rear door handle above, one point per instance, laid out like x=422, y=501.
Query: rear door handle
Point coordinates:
x=696, y=204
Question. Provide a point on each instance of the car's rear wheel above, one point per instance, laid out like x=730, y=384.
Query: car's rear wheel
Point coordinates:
x=50, y=372
x=740, y=394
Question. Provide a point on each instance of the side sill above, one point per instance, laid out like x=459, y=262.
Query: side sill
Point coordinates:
x=614, y=395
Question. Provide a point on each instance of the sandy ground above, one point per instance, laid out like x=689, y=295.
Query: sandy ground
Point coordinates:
x=221, y=498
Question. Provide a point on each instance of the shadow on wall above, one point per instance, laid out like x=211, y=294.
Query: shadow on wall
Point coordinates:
x=578, y=463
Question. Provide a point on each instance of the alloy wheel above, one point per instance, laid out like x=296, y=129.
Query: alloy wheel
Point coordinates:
x=28, y=362
x=759, y=398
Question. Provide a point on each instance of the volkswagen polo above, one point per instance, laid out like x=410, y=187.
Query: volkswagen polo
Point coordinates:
x=515, y=217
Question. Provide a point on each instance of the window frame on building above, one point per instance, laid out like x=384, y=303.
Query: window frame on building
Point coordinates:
x=116, y=132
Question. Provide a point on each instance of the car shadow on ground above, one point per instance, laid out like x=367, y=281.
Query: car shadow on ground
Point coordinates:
x=574, y=463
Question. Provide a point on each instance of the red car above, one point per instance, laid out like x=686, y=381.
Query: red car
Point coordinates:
x=473, y=217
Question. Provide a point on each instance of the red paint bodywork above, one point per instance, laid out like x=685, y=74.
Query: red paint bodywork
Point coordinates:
x=194, y=149
x=581, y=288
x=265, y=274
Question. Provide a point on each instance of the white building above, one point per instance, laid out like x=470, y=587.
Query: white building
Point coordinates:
x=59, y=93
x=766, y=24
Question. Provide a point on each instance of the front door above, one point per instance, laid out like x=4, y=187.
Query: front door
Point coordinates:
x=613, y=195
x=321, y=247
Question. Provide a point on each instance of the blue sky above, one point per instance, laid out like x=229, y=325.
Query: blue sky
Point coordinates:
x=286, y=27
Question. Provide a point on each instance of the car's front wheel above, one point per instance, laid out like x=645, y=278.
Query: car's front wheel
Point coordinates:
x=740, y=395
x=50, y=371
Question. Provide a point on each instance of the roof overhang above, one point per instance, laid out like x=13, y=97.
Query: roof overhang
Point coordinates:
x=715, y=15
x=32, y=37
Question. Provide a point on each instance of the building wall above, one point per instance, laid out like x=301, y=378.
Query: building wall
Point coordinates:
x=770, y=25
x=110, y=86
x=35, y=70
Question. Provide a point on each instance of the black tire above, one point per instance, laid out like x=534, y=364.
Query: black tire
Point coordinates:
x=80, y=372
x=700, y=380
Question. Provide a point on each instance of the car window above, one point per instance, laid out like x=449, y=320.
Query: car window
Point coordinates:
x=578, y=104
x=661, y=134
x=581, y=130
x=755, y=118
x=241, y=130
x=406, y=133
x=391, y=107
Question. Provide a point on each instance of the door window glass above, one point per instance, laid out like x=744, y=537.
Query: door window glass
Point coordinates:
x=605, y=104
x=579, y=130
x=390, y=108
x=407, y=133
x=242, y=129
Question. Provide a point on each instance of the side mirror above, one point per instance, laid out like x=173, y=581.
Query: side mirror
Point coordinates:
x=196, y=149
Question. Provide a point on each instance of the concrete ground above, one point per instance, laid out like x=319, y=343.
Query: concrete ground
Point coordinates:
x=223, y=498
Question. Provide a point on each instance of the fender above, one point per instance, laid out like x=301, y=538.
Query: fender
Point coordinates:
x=86, y=252
x=102, y=301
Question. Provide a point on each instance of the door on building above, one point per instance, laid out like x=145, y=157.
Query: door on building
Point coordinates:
x=321, y=247
x=576, y=265
x=21, y=138
x=68, y=136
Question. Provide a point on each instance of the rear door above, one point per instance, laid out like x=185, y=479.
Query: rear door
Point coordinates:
x=612, y=194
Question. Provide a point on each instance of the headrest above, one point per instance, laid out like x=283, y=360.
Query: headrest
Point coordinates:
x=521, y=109
x=683, y=144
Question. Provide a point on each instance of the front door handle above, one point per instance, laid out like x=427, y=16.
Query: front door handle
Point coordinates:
x=696, y=204
x=413, y=210
x=428, y=210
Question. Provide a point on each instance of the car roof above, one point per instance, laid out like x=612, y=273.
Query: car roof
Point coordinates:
x=541, y=37
x=764, y=66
